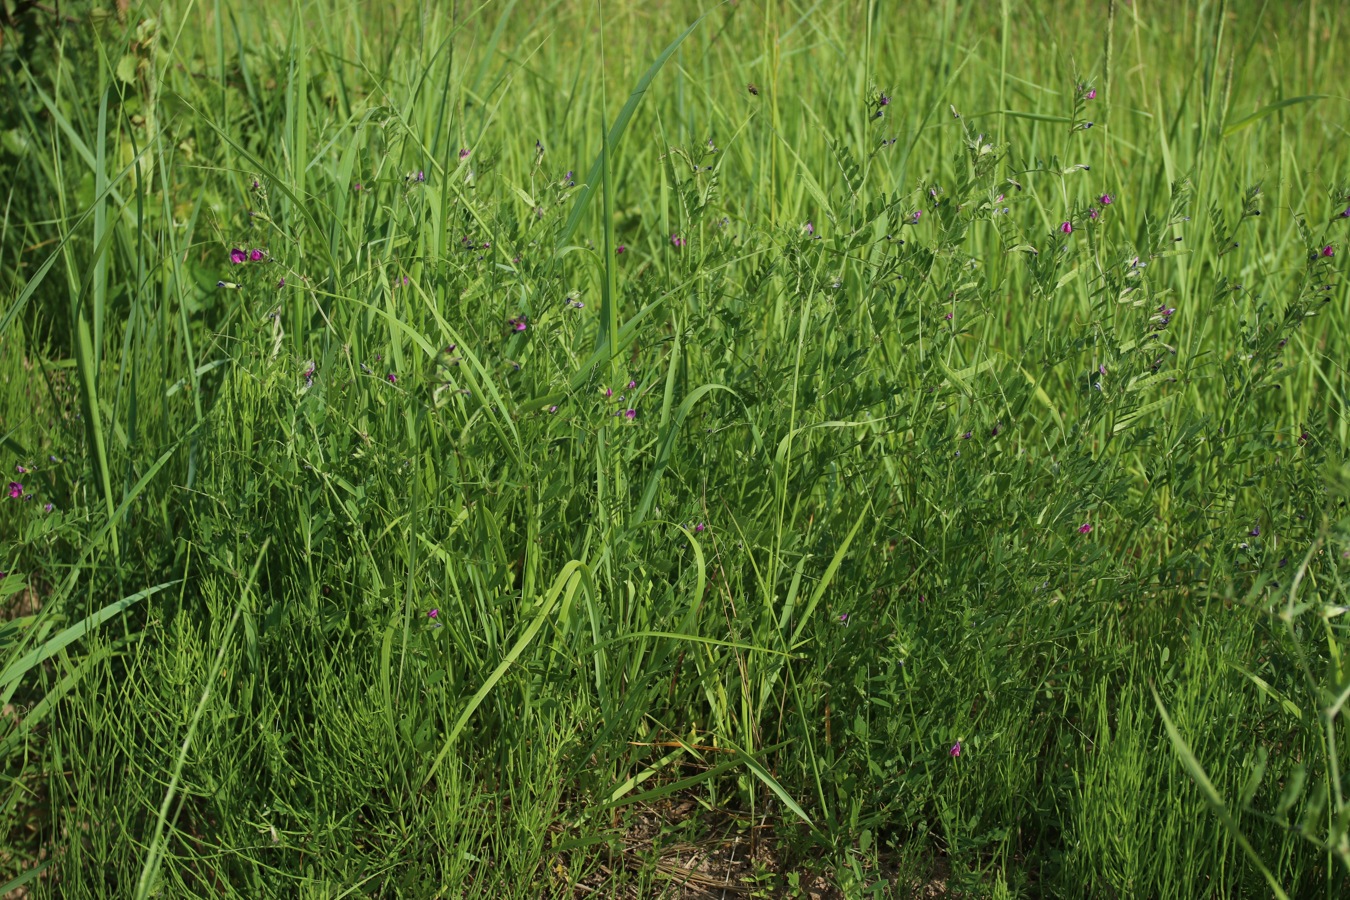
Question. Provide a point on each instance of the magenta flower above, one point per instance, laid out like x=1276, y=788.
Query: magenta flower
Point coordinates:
x=393, y=379
x=1255, y=532
x=843, y=617
x=1328, y=250
x=619, y=249
x=255, y=255
x=15, y=490
x=677, y=241
x=1106, y=199
x=21, y=469
x=553, y=409
x=238, y=256
x=47, y=508
x=915, y=216
x=956, y=750
x=609, y=392
x=630, y=414
x=1066, y=227
x=1085, y=528
x=1102, y=369
x=631, y=384
x=1092, y=214
x=357, y=188
x=464, y=153
x=700, y=528
x=520, y=323
x=433, y=613
x=949, y=317
x=281, y=283
x=1091, y=95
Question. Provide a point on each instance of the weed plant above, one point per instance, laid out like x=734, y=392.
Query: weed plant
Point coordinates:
x=555, y=449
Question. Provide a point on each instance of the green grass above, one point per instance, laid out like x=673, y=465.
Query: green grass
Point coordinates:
x=844, y=530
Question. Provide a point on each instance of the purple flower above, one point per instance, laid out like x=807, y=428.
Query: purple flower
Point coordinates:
x=308, y=374
x=1101, y=369
x=393, y=379
x=1346, y=214
x=809, y=228
x=15, y=490
x=915, y=216
x=843, y=617
x=21, y=469
x=357, y=188
x=1066, y=227
x=608, y=393
x=619, y=249
x=568, y=178
x=885, y=100
x=1085, y=528
x=949, y=317
x=1328, y=250
x=630, y=414
x=47, y=507
x=956, y=750
x=631, y=384
x=433, y=613
x=1091, y=95
x=520, y=323
x=464, y=153
x=255, y=184
x=700, y=528
x=255, y=255
x=281, y=283
x=1255, y=532
x=553, y=409
x=1092, y=214
x=966, y=436
x=1106, y=199
x=238, y=256
x=677, y=241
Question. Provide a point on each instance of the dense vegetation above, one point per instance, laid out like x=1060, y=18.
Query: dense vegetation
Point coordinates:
x=598, y=449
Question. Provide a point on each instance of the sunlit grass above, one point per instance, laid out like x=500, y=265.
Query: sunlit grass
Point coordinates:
x=627, y=432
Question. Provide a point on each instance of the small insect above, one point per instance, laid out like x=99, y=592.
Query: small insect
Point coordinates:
x=754, y=91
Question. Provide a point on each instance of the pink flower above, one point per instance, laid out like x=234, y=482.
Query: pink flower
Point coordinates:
x=238, y=256
x=1328, y=250
x=464, y=153
x=1066, y=228
x=677, y=241
x=630, y=414
x=15, y=490
x=433, y=613
x=956, y=749
x=1092, y=214
x=1091, y=95
x=1085, y=528
x=619, y=249
x=393, y=379
x=1106, y=199
x=255, y=255
x=632, y=384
